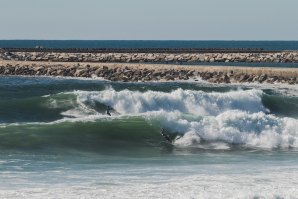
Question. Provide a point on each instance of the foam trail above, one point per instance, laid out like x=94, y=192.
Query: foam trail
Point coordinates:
x=80, y=111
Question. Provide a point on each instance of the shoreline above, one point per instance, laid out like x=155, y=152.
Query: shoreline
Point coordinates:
x=141, y=72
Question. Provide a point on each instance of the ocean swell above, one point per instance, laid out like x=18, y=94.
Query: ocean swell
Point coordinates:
x=192, y=118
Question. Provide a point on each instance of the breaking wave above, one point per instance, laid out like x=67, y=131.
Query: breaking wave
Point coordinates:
x=192, y=118
x=234, y=118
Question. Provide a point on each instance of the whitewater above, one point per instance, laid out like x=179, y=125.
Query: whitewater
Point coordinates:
x=229, y=141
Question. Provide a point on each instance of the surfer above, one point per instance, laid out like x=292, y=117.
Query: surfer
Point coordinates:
x=167, y=138
x=108, y=110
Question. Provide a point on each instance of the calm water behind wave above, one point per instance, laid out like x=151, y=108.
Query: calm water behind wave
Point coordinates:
x=267, y=45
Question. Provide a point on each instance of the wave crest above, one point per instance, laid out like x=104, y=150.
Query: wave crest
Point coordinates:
x=185, y=101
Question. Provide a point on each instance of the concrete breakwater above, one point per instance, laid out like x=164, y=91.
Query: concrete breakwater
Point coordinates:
x=272, y=57
x=151, y=72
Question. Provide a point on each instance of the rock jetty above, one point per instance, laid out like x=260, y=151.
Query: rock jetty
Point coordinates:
x=151, y=72
x=272, y=57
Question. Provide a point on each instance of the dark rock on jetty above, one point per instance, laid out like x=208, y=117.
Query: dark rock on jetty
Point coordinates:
x=153, y=72
x=269, y=57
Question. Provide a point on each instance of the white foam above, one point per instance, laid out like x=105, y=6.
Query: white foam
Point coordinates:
x=189, y=139
x=284, y=89
x=271, y=183
x=238, y=127
x=80, y=111
x=186, y=101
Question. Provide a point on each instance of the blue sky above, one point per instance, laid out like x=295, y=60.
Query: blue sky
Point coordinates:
x=149, y=20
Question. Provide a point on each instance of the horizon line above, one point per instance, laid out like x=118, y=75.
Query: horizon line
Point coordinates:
x=141, y=40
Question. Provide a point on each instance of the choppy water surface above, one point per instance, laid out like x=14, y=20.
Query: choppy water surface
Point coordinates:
x=230, y=141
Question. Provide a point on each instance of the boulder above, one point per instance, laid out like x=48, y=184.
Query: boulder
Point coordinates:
x=243, y=77
x=262, y=78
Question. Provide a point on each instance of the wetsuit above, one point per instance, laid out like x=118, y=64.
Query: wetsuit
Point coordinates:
x=108, y=110
x=165, y=136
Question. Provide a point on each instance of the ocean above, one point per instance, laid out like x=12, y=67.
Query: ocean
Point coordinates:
x=228, y=140
x=266, y=45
